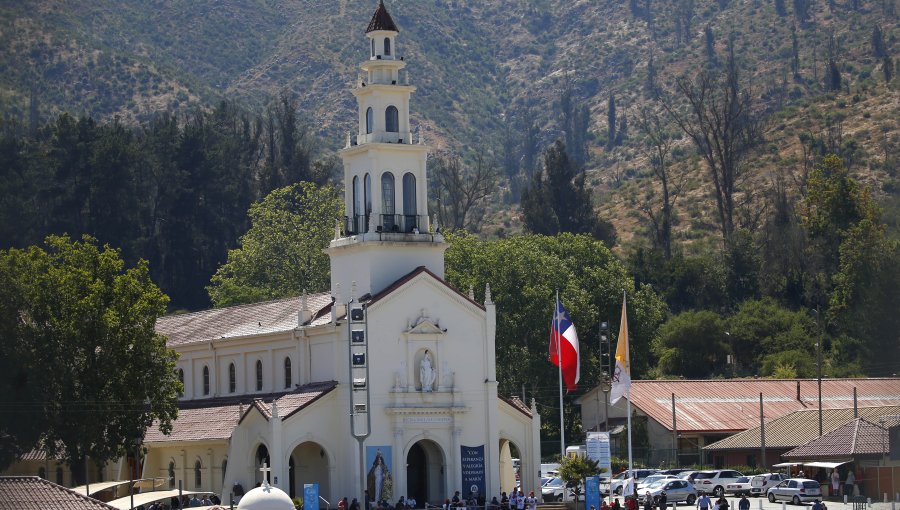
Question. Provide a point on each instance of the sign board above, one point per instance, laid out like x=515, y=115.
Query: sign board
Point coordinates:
x=473, y=476
x=598, y=449
x=592, y=492
x=310, y=496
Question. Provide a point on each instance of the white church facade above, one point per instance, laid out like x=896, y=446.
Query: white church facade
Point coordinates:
x=385, y=383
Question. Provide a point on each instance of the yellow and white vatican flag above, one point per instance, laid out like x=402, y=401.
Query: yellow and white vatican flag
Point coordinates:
x=621, y=379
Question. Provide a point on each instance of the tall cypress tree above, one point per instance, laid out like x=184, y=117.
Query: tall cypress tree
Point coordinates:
x=611, y=122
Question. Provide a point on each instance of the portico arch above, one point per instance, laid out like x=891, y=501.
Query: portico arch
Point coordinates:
x=425, y=473
x=309, y=463
x=260, y=456
x=510, y=473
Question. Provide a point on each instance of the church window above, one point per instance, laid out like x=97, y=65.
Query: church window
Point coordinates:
x=205, y=380
x=287, y=372
x=387, y=199
x=367, y=194
x=409, y=201
x=232, y=378
x=357, y=206
x=387, y=45
x=198, y=475
x=373, y=47
x=59, y=475
x=42, y=473
x=224, y=469
x=370, y=120
x=392, y=120
x=180, y=373
x=259, y=375
x=171, y=474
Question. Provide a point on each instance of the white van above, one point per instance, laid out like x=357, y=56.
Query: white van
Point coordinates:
x=549, y=470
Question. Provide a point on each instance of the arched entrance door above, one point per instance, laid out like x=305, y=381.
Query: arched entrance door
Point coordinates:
x=511, y=468
x=425, y=473
x=310, y=465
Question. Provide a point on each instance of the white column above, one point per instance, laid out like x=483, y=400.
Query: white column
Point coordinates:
x=276, y=451
x=399, y=464
x=454, y=480
x=211, y=482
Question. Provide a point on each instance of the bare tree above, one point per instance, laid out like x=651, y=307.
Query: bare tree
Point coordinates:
x=460, y=189
x=720, y=121
x=657, y=149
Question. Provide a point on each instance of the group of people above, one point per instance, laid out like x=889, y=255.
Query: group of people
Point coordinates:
x=661, y=503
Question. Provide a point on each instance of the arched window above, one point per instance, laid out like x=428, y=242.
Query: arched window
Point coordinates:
x=370, y=120
x=357, y=205
x=392, y=120
x=198, y=475
x=232, y=378
x=59, y=475
x=373, y=47
x=42, y=473
x=367, y=194
x=205, y=380
x=224, y=469
x=287, y=372
x=409, y=201
x=259, y=375
x=180, y=374
x=387, y=200
x=387, y=45
x=172, y=474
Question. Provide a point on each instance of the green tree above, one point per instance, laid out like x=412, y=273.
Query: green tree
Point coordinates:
x=763, y=327
x=524, y=273
x=559, y=201
x=79, y=341
x=575, y=470
x=281, y=255
x=691, y=345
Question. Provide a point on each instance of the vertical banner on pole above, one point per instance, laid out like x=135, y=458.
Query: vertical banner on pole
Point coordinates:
x=310, y=496
x=592, y=492
x=598, y=449
x=473, y=472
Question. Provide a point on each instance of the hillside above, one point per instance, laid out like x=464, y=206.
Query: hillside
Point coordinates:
x=479, y=66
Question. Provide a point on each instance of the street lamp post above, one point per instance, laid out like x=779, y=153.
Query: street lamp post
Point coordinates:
x=605, y=384
x=819, y=366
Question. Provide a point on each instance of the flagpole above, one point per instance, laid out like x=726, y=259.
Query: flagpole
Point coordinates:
x=628, y=357
x=562, y=429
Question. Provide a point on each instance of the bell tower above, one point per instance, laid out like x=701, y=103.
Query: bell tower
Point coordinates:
x=386, y=231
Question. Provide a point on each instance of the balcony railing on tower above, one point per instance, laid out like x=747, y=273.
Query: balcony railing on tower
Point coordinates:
x=386, y=223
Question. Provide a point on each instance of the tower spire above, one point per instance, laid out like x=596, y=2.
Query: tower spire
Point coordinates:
x=381, y=20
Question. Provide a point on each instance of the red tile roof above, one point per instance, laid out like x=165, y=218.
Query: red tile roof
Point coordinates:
x=34, y=493
x=732, y=405
x=275, y=316
x=517, y=404
x=799, y=427
x=856, y=437
x=216, y=418
x=381, y=20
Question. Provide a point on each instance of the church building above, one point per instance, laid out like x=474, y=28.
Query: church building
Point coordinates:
x=386, y=383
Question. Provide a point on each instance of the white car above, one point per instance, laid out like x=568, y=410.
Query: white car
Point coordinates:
x=616, y=483
x=714, y=482
x=739, y=486
x=795, y=490
x=554, y=490
x=760, y=484
x=676, y=490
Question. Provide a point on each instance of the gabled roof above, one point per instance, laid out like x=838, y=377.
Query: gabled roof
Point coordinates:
x=410, y=276
x=856, y=437
x=381, y=20
x=799, y=427
x=216, y=418
x=517, y=404
x=34, y=493
x=732, y=405
x=275, y=316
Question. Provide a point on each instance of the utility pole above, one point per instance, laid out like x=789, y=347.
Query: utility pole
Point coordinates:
x=819, y=366
x=605, y=384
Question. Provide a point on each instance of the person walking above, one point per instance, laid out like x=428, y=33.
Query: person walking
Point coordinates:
x=744, y=503
x=648, y=501
x=704, y=503
x=849, y=483
x=661, y=501
x=835, y=483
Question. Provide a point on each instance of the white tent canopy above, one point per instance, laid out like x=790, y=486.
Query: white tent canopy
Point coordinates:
x=826, y=465
x=787, y=464
x=145, y=498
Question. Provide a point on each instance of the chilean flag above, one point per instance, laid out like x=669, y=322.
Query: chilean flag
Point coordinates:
x=564, y=344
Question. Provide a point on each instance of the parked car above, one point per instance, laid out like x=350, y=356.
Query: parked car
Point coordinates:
x=674, y=471
x=739, y=486
x=676, y=490
x=554, y=490
x=616, y=483
x=795, y=490
x=714, y=482
x=759, y=484
x=651, y=479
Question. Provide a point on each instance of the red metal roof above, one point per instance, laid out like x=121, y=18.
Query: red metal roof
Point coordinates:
x=732, y=405
x=34, y=493
x=381, y=20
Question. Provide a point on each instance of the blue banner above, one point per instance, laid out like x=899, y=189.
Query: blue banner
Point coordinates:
x=473, y=482
x=310, y=496
x=592, y=493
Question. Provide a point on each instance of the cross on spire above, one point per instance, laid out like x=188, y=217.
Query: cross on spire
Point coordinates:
x=265, y=470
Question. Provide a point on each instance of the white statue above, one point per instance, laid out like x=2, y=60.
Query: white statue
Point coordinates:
x=426, y=373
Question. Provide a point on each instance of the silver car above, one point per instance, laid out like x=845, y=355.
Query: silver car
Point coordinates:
x=760, y=484
x=795, y=490
x=677, y=491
